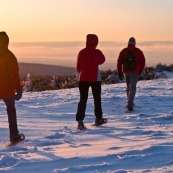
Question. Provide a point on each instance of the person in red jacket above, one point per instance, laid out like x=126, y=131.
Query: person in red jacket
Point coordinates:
x=131, y=62
x=88, y=61
x=10, y=87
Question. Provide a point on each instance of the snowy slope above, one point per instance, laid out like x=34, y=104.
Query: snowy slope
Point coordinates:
x=131, y=142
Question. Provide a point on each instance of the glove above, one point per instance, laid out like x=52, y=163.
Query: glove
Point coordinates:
x=120, y=75
x=18, y=94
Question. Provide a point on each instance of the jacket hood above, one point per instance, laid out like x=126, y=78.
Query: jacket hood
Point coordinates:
x=4, y=41
x=91, y=41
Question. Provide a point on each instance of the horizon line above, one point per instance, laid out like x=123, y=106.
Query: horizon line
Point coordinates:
x=81, y=43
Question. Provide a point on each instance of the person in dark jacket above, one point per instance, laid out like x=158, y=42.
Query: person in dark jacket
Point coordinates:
x=10, y=87
x=88, y=61
x=131, y=62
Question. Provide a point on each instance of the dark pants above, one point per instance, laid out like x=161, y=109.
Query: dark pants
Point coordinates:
x=11, y=112
x=96, y=91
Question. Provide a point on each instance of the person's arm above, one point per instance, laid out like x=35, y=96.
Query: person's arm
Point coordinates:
x=14, y=74
x=142, y=62
x=14, y=78
x=78, y=65
x=119, y=66
x=101, y=58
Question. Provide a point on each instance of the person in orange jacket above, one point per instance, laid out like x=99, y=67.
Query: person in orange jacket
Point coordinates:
x=10, y=87
x=131, y=62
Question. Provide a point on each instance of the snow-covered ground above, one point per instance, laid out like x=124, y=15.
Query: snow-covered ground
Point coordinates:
x=141, y=141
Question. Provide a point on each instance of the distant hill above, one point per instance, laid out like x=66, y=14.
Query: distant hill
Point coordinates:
x=44, y=70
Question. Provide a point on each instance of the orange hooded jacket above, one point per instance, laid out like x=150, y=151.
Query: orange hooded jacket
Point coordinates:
x=9, y=75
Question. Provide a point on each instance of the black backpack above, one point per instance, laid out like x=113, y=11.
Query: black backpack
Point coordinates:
x=130, y=61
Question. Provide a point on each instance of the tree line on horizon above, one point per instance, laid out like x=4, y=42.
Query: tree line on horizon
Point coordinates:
x=44, y=83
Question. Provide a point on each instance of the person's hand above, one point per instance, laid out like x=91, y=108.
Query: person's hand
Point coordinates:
x=18, y=94
x=120, y=75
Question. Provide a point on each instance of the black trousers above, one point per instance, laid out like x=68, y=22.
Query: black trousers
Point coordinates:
x=11, y=112
x=96, y=91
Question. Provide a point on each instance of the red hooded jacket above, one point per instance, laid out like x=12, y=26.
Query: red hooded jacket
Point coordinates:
x=139, y=57
x=89, y=59
x=9, y=75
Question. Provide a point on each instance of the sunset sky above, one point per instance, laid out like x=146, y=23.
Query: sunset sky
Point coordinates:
x=71, y=20
x=56, y=29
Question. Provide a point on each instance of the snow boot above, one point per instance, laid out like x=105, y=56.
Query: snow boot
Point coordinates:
x=130, y=106
x=80, y=125
x=15, y=137
x=100, y=121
